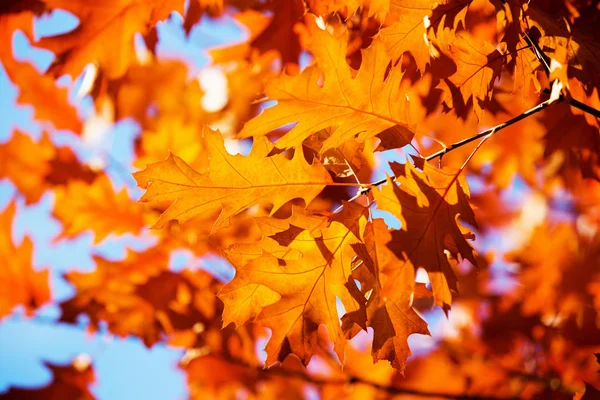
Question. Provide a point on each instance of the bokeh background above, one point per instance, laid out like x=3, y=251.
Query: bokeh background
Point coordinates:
x=124, y=367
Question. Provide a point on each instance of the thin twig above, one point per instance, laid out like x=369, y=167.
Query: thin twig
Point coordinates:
x=289, y=373
x=577, y=104
x=544, y=61
x=539, y=53
x=468, y=140
x=351, y=380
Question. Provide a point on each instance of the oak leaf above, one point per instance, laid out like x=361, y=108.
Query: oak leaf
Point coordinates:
x=108, y=21
x=69, y=382
x=35, y=167
x=390, y=291
x=478, y=65
x=377, y=8
x=140, y=296
x=577, y=45
x=50, y=103
x=97, y=207
x=357, y=104
x=428, y=204
x=293, y=297
x=230, y=183
x=26, y=163
x=20, y=284
x=407, y=31
x=410, y=23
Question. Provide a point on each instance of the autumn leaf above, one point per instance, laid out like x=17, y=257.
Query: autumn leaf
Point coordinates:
x=579, y=42
x=390, y=291
x=408, y=31
x=35, y=167
x=428, y=204
x=357, y=104
x=26, y=163
x=478, y=66
x=550, y=284
x=279, y=34
x=20, y=284
x=294, y=297
x=71, y=381
x=231, y=183
x=50, y=102
x=410, y=22
x=110, y=21
x=139, y=296
x=377, y=8
x=81, y=207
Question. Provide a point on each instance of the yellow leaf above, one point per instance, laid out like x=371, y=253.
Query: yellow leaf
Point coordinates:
x=301, y=293
x=356, y=106
x=230, y=183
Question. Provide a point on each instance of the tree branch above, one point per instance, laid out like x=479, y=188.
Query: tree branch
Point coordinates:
x=577, y=104
x=351, y=380
x=544, y=61
x=301, y=374
x=454, y=146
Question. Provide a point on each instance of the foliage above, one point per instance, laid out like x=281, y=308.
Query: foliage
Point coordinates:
x=328, y=243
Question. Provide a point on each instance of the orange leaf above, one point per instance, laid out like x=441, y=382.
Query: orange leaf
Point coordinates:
x=478, y=65
x=80, y=207
x=231, y=183
x=35, y=167
x=356, y=106
x=390, y=291
x=293, y=297
x=139, y=296
x=20, y=284
x=428, y=204
x=102, y=22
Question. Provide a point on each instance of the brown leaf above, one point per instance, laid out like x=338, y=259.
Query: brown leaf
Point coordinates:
x=390, y=291
x=428, y=204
